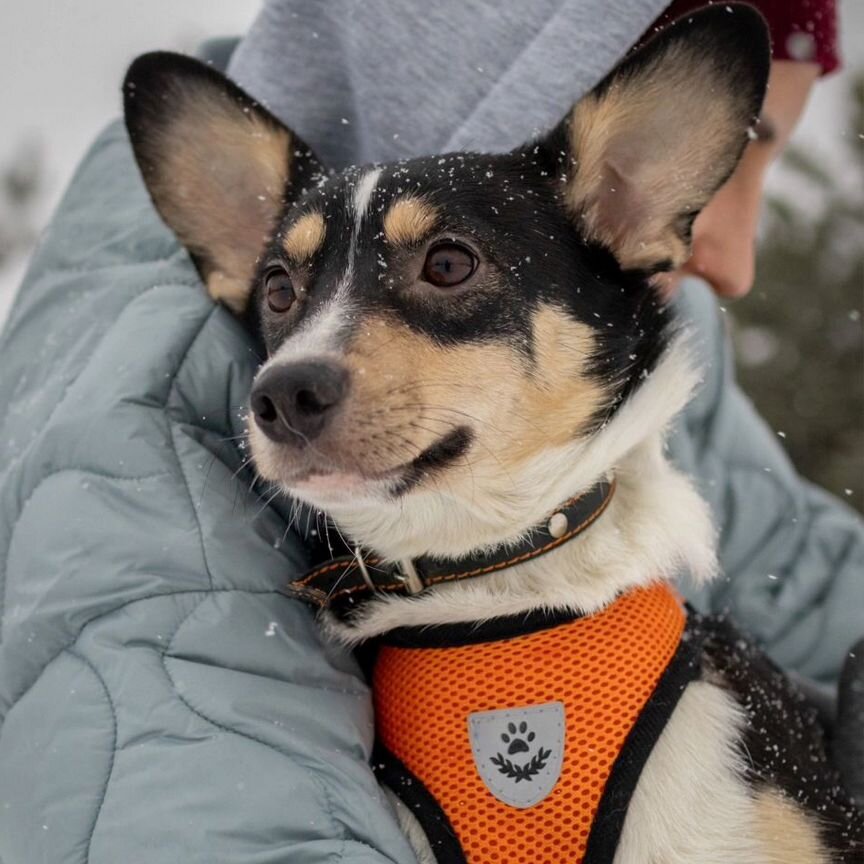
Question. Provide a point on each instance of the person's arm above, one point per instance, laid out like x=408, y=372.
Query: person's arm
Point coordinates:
x=160, y=700
x=791, y=555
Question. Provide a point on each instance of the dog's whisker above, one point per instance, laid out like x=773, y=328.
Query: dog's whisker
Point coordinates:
x=266, y=504
x=479, y=421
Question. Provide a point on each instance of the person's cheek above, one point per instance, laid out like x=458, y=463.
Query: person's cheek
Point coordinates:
x=724, y=234
x=724, y=256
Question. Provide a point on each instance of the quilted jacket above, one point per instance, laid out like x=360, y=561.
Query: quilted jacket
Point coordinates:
x=160, y=701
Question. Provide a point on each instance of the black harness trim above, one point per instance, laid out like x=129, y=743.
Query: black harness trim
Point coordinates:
x=471, y=632
x=391, y=772
x=684, y=667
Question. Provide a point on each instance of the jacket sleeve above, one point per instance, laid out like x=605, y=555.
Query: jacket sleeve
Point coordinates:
x=792, y=556
x=160, y=700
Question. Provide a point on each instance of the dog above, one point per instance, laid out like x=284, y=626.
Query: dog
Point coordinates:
x=470, y=369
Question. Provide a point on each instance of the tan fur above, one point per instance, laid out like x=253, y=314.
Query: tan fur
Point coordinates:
x=408, y=221
x=559, y=395
x=788, y=834
x=220, y=185
x=408, y=391
x=305, y=237
x=421, y=390
x=234, y=293
x=638, y=167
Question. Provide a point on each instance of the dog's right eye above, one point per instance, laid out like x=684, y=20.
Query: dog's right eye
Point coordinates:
x=279, y=290
x=448, y=265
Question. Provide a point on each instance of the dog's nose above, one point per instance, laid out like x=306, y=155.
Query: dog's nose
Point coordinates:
x=294, y=402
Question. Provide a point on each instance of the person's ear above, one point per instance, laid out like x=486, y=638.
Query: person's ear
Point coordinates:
x=643, y=152
x=219, y=167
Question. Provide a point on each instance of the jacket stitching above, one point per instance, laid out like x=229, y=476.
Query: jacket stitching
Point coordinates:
x=310, y=770
x=90, y=472
x=61, y=401
x=171, y=432
x=84, y=270
x=207, y=594
x=354, y=841
x=110, y=771
x=188, y=489
x=70, y=384
x=171, y=425
x=119, y=608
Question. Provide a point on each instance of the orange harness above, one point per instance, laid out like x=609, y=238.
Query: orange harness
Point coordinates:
x=525, y=746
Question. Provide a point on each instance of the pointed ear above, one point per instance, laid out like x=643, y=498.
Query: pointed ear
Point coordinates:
x=648, y=147
x=218, y=166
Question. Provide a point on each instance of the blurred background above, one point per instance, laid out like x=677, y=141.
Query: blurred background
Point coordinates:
x=798, y=336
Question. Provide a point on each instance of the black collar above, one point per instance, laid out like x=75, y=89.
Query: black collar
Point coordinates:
x=341, y=584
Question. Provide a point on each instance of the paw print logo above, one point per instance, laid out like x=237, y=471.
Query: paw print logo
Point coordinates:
x=517, y=739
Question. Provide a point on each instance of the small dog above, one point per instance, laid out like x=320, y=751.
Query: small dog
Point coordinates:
x=470, y=371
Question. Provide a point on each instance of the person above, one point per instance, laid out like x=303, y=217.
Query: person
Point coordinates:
x=804, y=40
x=161, y=700
x=490, y=84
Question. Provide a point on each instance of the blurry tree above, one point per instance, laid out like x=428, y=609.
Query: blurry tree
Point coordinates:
x=19, y=187
x=799, y=334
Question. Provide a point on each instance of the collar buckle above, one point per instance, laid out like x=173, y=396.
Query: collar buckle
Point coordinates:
x=403, y=570
x=364, y=571
x=407, y=574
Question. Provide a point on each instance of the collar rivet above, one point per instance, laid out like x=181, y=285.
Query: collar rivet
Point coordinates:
x=557, y=525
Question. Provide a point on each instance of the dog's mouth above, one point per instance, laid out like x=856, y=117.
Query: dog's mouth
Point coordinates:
x=321, y=479
x=444, y=452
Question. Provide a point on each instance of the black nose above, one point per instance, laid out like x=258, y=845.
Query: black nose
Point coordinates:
x=294, y=402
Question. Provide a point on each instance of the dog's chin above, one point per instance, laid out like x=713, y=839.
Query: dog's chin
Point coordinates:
x=329, y=486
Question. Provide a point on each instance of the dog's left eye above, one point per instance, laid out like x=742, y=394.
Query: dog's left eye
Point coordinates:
x=279, y=290
x=448, y=264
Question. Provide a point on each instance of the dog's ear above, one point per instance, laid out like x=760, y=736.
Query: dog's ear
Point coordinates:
x=644, y=151
x=218, y=166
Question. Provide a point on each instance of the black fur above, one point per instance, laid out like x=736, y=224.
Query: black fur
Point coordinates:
x=507, y=208
x=785, y=745
x=435, y=458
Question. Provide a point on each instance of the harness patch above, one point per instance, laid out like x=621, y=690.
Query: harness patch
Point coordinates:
x=518, y=752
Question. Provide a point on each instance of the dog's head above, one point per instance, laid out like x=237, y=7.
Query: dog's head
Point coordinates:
x=434, y=326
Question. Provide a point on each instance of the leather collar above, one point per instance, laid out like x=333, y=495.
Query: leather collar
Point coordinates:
x=340, y=584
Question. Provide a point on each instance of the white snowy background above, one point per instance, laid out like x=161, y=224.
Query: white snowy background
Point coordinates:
x=61, y=64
